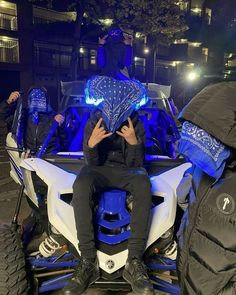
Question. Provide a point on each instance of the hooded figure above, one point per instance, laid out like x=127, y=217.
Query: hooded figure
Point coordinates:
x=38, y=103
x=207, y=236
x=38, y=119
x=114, y=54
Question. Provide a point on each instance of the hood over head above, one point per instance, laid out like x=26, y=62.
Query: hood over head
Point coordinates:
x=214, y=110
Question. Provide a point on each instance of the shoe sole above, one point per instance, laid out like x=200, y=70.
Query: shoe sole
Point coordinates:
x=128, y=279
x=91, y=281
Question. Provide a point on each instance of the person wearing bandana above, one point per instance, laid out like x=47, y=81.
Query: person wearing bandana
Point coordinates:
x=114, y=150
x=37, y=120
x=114, y=54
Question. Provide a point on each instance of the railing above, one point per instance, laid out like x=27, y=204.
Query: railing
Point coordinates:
x=52, y=58
x=9, y=50
x=8, y=22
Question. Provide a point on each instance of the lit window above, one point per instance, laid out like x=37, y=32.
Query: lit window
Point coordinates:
x=106, y=22
x=205, y=53
x=194, y=44
x=44, y=15
x=208, y=13
x=196, y=11
x=183, y=5
x=93, y=57
x=8, y=16
x=140, y=65
x=9, y=50
x=181, y=41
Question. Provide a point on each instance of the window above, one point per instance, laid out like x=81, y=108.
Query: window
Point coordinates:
x=93, y=57
x=196, y=7
x=183, y=5
x=196, y=11
x=205, y=53
x=230, y=60
x=8, y=16
x=208, y=13
x=84, y=60
x=54, y=55
x=46, y=16
x=140, y=65
x=9, y=50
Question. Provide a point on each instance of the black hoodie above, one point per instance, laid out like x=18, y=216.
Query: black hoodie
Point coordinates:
x=114, y=150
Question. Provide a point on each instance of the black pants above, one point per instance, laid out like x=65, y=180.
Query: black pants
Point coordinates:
x=94, y=179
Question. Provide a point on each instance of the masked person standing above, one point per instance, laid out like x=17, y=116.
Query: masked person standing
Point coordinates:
x=115, y=53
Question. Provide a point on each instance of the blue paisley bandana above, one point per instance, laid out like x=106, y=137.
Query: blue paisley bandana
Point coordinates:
x=117, y=99
x=203, y=150
x=37, y=103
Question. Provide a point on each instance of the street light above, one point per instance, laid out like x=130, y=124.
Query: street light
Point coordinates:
x=192, y=76
x=146, y=50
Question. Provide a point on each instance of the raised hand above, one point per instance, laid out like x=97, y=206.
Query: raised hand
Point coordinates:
x=60, y=119
x=13, y=97
x=128, y=133
x=102, y=41
x=128, y=39
x=98, y=134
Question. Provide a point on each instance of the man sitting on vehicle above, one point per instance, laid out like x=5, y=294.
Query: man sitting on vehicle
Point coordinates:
x=114, y=149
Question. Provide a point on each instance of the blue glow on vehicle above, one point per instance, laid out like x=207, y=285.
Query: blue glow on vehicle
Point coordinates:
x=90, y=100
x=96, y=101
x=142, y=102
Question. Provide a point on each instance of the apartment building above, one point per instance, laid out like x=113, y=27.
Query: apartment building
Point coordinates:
x=36, y=45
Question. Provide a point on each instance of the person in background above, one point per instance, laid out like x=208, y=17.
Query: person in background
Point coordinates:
x=115, y=54
x=7, y=109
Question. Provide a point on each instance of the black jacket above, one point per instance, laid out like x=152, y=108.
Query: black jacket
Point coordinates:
x=114, y=150
x=7, y=113
x=207, y=238
x=34, y=135
x=214, y=110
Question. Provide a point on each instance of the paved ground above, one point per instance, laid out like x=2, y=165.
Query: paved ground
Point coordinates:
x=8, y=197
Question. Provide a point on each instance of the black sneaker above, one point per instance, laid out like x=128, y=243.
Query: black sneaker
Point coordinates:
x=135, y=273
x=86, y=274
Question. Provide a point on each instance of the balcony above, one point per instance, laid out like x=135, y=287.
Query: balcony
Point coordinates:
x=8, y=16
x=8, y=22
x=9, y=50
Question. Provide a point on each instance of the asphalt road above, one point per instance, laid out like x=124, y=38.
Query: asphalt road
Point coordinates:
x=8, y=198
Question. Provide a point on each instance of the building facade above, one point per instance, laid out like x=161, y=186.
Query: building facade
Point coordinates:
x=36, y=45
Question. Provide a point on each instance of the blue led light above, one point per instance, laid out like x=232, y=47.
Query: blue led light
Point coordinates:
x=142, y=102
x=91, y=100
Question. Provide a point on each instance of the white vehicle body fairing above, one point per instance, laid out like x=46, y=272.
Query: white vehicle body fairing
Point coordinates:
x=61, y=214
x=15, y=159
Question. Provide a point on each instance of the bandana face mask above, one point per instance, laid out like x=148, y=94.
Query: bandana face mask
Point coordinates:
x=37, y=103
x=116, y=99
x=203, y=150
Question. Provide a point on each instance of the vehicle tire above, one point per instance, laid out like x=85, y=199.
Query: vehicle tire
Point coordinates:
x=13, y=277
